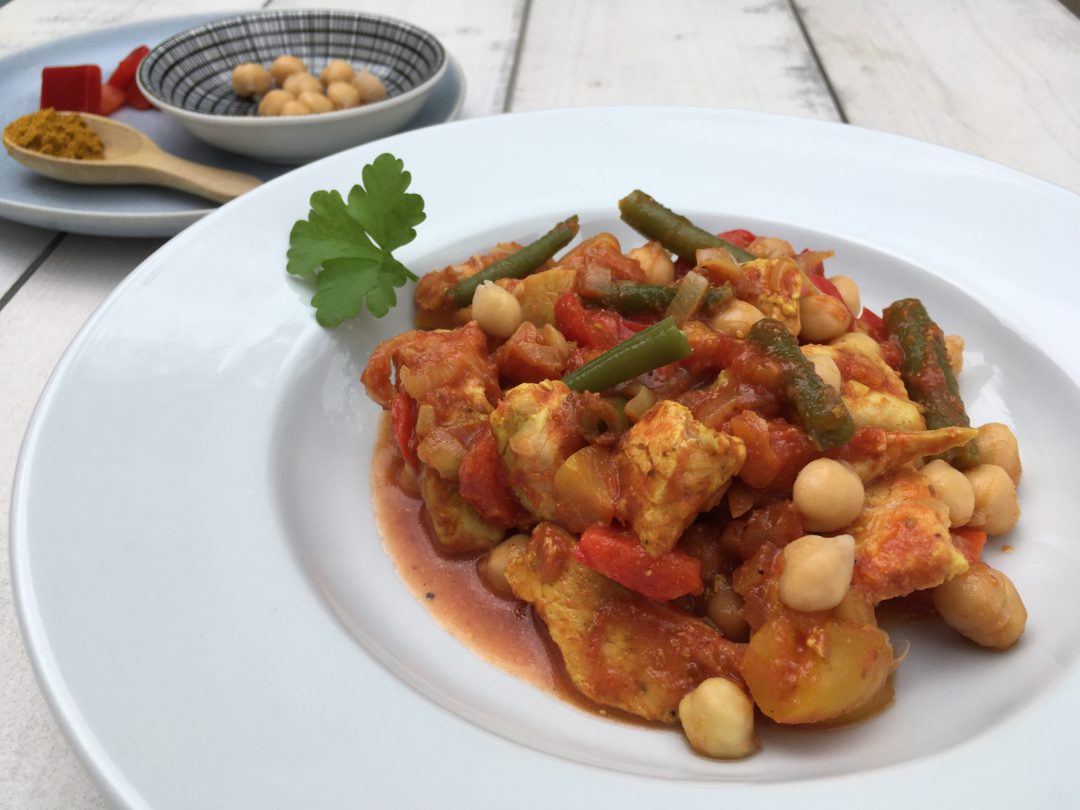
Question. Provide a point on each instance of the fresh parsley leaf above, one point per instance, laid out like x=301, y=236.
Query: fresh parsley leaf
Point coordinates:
x=347, y=246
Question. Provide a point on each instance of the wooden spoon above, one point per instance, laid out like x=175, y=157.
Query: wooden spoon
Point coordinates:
x=131, y=157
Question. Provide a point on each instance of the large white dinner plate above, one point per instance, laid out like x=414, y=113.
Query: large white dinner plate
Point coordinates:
x=137, y=210
x=207, y=601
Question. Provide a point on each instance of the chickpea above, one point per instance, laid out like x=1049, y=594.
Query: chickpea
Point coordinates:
x=770, y=247
x=274, y=102
x=718, y=720
x=827, y=369
x=496, y=311
x=724, y=609
x=997, y=445
x=655, y=263
x=817, y=571
x=285, y=66
x=828, y=494
x=953, y=487
x=316, y=102
x=954, y=347
x=493, y=564
x=369, y=86
x=736, y=319
x=250, y=79
x=823, y=318
x=982, y=604
x=859, y=343
x=343, y=95
x=996, y=506
x=849, y=291
x=295, y=107
x=299, y=83
x=337, y=71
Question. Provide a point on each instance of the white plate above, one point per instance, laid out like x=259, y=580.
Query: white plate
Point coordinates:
x=137, y=210
x=206, y=600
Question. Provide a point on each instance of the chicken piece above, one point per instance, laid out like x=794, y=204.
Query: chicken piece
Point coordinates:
x=873, y=392
x=772, y=285
x=603, y=251
x=873, y=452
x=536, y=427
x=453, y=381
x=902, y=539
x=431, y=288
x=620, y=648
x=671, y=467
x=458, y=527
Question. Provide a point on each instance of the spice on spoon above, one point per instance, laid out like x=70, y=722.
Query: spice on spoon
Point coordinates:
x=64, y=135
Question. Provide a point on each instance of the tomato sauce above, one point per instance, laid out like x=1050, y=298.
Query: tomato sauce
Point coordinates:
x=499, y=629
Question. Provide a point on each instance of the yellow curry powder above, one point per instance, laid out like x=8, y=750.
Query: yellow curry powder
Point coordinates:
x=56, y=134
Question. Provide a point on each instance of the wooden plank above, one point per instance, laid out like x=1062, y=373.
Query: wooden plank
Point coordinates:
x=37, y=768
x=723, y=53
x=481, y=34
x=22, y=245
x=28, y=22
x=995, y=78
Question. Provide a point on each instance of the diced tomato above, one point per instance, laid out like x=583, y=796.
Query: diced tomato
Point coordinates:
x=124, y=74
x=826, y=286
x=592, y=328
x=112, y=99
x=740, y=237
x=482, y=482
x=403, y=426
x=75, y=88
x=969, y=542
x=136, y=99
x=618, y=555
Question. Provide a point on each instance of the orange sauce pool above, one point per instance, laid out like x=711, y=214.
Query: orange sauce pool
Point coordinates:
x=501, y=630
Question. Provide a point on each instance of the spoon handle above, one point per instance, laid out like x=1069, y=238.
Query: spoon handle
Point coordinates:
x=220, y=185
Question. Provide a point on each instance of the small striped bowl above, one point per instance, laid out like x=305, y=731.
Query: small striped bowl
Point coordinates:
x=189, y=77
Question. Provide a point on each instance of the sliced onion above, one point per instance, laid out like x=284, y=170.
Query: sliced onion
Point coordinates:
x=639, y=404
x=688, y=297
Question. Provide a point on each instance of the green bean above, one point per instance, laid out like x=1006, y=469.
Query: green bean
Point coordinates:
x=822, y=411
x=675, y=232
x=628, y=298
x=519, y=264
x=660, y=344
x=927, y=373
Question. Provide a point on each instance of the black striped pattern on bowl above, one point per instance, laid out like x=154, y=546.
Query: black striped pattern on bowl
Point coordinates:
x=193, y=70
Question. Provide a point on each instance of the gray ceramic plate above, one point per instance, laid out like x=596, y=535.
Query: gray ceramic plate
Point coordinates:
x=136, y=210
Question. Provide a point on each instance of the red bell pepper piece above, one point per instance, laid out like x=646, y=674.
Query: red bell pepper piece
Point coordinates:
x=482, y=481
x=403, y=426
x=827, y=287
x=124, y=74
x=618, y=555
x=75, y=88
x=136, y=99
x=875, y=326
x=740, y=237
x=969, y=542
x=112, y=99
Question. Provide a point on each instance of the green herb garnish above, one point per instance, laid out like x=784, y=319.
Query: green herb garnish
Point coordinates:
x=347, y=246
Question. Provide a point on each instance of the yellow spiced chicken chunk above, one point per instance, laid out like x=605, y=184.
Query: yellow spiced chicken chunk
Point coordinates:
x=671, y=467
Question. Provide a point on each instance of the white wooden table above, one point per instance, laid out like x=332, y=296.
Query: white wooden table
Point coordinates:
x=997, y=78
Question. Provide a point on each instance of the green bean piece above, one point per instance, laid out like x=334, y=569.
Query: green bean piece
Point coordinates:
x=675, y=232
x=628, y=298
x=927, y=373
x=822, y=411
x=517, y=265
x=660, y=344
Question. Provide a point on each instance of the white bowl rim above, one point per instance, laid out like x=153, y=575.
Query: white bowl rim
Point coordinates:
x=298, y=121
